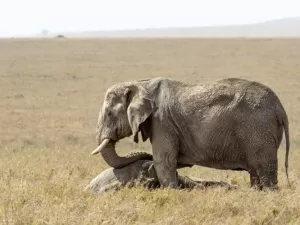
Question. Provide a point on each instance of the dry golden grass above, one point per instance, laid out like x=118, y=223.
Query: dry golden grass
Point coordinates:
x=51, y=91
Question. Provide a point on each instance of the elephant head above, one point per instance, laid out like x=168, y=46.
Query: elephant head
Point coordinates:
x=126, y=111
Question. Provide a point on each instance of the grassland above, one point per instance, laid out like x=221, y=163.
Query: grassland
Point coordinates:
x=50, y=94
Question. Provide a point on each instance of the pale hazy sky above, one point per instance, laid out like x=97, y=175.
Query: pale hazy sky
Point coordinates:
x=29, y=17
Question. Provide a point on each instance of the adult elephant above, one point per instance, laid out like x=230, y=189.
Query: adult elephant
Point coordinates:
x=232, y=124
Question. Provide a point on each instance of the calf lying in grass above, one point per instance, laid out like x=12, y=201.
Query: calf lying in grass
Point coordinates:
x=142, y=172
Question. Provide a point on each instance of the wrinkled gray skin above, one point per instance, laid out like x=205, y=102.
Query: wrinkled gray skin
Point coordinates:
x=142, y=173
x=232, y=124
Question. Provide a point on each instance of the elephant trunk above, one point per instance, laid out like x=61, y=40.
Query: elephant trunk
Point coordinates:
x=108, y=152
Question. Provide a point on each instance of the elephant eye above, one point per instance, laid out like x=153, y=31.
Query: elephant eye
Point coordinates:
x=109, y=113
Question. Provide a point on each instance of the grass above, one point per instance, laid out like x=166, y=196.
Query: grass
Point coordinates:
x=51, y=91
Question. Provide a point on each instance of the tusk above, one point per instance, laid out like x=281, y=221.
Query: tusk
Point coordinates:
x=100, y=147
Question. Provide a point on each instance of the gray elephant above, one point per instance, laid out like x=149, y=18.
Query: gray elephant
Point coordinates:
x=142, y=172
x=232, y=124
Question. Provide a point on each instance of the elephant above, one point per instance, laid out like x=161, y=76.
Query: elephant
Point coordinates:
x=230, y=124
x=142, y=172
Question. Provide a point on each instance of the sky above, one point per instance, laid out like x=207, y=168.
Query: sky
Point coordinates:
x=30, y=17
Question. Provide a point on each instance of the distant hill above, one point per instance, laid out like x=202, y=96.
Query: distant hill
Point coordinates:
x=275, y=28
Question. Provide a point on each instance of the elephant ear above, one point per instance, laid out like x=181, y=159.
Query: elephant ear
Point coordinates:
x=138, y=111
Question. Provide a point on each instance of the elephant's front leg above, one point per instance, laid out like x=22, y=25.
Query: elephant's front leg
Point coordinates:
x=166, y=174
x=165, y=148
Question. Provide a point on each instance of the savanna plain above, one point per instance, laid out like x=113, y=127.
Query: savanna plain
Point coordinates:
x=51, y=91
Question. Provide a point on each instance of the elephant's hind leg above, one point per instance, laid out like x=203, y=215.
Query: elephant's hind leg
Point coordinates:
x=268, y=174
x=263, y=173
x=254, y=179
x=262, y=159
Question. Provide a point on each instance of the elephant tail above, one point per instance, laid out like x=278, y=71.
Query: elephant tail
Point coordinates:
x=287, y=144
x=283, y=120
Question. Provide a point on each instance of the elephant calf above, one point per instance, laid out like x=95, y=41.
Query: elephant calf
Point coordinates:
x=142, y=172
